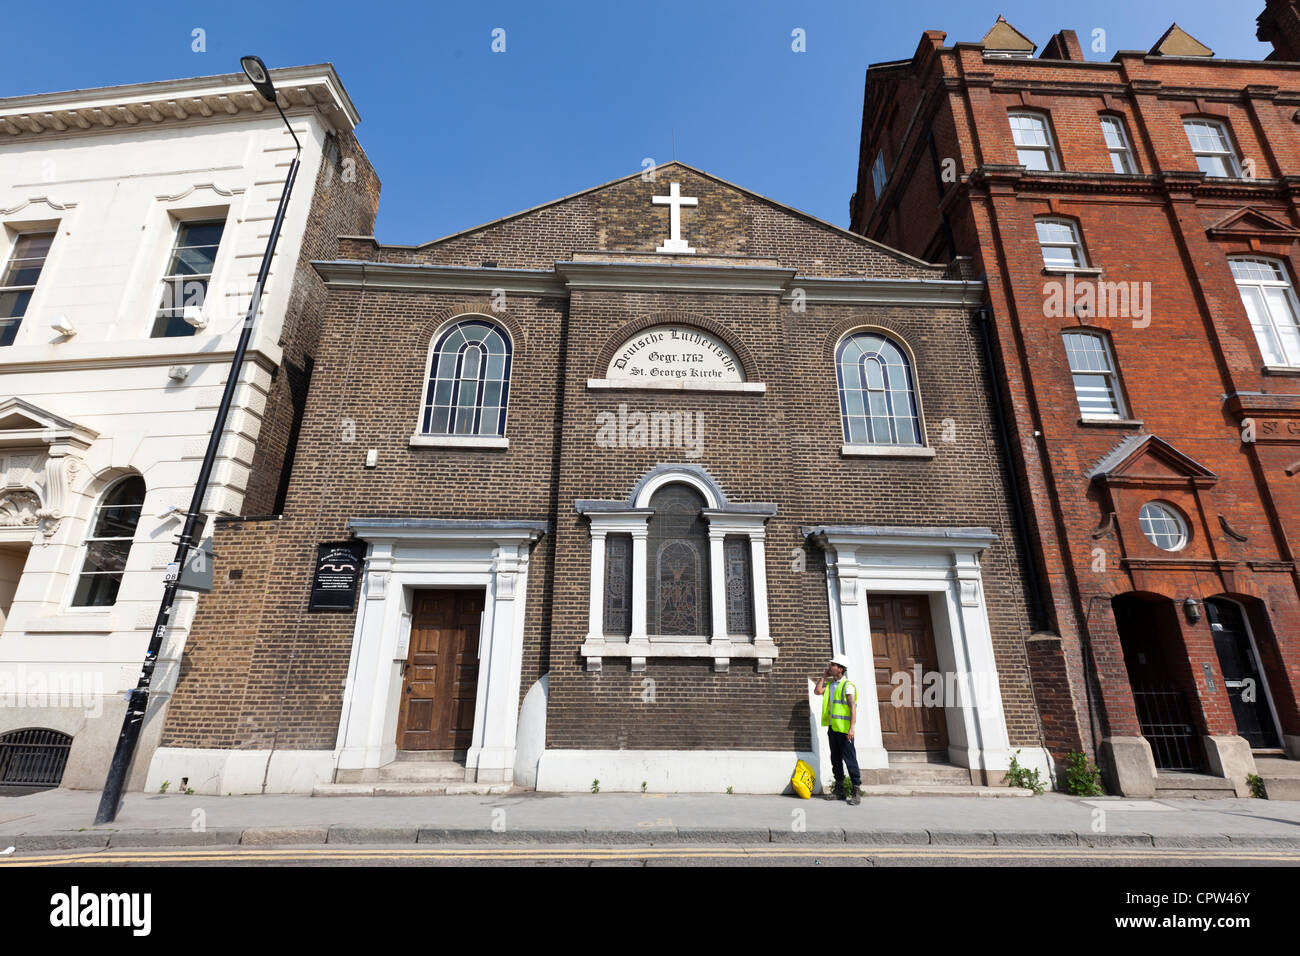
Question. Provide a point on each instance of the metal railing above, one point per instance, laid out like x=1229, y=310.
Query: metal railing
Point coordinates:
x=1165, y=719
x=33, y=757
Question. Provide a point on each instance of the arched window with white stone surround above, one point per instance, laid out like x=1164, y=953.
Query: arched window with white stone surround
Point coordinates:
x=677, y=570
x=878, y=403
x=108, y=545
x=467, y=382
x=678, y=565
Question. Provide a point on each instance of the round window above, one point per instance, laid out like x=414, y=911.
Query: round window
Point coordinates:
x=1163, y=526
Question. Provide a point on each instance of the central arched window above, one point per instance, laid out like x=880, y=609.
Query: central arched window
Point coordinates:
x=877, y=394
x=677, y=563
x=468, y=380
x=108, y=546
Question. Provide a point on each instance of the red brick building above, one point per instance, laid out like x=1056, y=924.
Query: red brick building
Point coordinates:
x=624, y=470
x=1136, y=223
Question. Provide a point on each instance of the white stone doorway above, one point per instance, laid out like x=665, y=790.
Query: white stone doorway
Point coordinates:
x=407, y=557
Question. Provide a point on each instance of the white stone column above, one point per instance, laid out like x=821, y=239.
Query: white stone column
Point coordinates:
x=596, y=609
x=640, y=537
x=718, y=587
x=492, y=757
x=758, y=562
x=973, y=646
x=364, y=744
x=855, y=632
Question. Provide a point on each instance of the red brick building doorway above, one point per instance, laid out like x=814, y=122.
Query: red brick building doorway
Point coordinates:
x=1243, y=674
x=1161, y=679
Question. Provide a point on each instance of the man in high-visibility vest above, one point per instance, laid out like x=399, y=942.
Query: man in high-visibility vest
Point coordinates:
x=840, y=718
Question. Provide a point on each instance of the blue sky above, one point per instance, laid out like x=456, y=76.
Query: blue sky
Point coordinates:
x=584, y=91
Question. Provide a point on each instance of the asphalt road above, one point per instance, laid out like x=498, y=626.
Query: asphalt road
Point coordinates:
x=657, y=855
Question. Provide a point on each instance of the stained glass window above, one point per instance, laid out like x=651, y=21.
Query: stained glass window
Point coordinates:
x=618, y=585
x=677, y=564
x=740, y=588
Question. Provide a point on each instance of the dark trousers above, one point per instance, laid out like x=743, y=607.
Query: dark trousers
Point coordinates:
x=843, y=752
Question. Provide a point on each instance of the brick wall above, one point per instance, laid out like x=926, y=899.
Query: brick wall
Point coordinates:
x=1175, y=367
x=781, y=446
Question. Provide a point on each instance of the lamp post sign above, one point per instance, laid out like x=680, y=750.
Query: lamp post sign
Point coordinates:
x=338, y=572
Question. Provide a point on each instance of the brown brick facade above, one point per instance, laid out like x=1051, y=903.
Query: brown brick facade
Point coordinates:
x=256, y=652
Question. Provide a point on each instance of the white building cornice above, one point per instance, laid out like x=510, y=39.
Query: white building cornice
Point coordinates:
x=650, y=277
x=172, y=102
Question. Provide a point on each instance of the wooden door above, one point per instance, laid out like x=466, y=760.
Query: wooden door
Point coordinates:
x=901, y=638
x=441, y=676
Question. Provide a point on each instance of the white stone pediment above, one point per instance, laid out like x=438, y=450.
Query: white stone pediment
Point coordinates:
x=22, y=423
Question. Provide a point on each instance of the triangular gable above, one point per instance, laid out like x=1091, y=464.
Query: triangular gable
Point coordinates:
x=23, y=422
x=663, y=175
x=1146, y=459
x=1004, y=38
x=1178, y=42
x=1249, y=222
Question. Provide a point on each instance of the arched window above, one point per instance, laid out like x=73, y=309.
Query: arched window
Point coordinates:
x=877, y=394
x=112, y=529
x=677, y=563
x=468, y=380
x=1033, y=139
x=1270, y=302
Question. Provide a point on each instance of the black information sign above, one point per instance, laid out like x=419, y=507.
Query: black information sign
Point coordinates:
x=338, y=572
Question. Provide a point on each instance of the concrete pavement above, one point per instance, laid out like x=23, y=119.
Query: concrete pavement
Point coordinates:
x=62, y=819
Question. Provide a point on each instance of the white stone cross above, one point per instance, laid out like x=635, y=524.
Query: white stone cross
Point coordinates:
x=675, y=201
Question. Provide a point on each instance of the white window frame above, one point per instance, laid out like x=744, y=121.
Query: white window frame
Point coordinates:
x=878, y=175
x=1227, y=152
x=180, y=221
x=1121, y=156
x=437, y=439
x=1110, y=373
x=1284, y=330
x=1179, y=519
x=17, y=234
x=1076, y=243
x=1047, y=148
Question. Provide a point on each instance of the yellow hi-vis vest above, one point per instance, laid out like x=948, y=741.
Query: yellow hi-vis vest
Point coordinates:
x=835, y=709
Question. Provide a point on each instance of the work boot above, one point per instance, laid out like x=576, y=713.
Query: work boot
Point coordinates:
x=856, y=797
x=835, y=793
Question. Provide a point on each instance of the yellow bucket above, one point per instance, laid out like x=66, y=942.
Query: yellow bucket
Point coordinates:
x=803, y=780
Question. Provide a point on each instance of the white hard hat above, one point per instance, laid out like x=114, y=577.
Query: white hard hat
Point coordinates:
x=841, y=660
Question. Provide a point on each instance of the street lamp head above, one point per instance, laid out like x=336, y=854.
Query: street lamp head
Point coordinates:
x=259, y=76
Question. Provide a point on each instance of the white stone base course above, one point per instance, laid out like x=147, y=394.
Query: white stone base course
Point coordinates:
x=241, y=771
x=668, y=771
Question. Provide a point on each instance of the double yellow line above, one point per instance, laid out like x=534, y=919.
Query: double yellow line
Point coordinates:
x=633, y=852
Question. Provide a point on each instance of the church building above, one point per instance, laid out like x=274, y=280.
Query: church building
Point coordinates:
x=594, y=491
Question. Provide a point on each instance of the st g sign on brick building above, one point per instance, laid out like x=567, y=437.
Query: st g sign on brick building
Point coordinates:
x=639, y=468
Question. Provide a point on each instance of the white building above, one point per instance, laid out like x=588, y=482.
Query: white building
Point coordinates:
x=110, y=199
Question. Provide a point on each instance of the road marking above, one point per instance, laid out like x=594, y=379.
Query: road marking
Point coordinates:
x=224, y=854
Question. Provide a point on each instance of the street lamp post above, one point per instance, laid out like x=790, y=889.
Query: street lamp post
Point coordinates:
x=137, y=701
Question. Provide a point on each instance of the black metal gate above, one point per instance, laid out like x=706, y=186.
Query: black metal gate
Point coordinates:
x=1166, y=722
x=33, y=757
